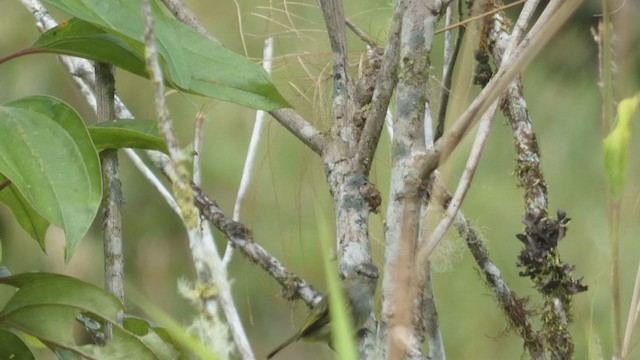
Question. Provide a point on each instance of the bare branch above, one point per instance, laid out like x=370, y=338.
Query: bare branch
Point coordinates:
x=334, y=18
x=252, y=152
x=299, y=127
x=112, y=192
x=371, y=42
x=242, y=239
x=451, y=51
x=406, y=196
x=385, y=84
x=436, y=343
x=556, y=314
x=513, y=306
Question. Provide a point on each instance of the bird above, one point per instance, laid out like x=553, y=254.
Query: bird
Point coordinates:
x=359, y=288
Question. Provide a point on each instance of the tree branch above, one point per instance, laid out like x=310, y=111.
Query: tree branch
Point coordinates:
x=556, y=313
x=334, y=18
x=385, y=84
x=451, y=51
x=513, y=306
x=406, y=195
x=112, y=191
x=242, y=239
x=300, y=128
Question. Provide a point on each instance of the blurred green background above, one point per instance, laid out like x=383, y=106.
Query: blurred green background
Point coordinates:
x=561, y=89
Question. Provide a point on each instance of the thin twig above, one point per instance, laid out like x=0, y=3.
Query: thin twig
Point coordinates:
x=607, y=64
x=112, y=191
x=252, y=152
x=366, y=38
x=426, y=319
x=513, y=306
x=243, y=240
x=480, y=16
x=154, y=180
x=198, y=143
x=451, y=51
x=436, y=343
x=463, y=184
x=385, y=83
x=334, y=19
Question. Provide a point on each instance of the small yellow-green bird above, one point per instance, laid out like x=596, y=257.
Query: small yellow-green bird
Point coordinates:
x=359, y=289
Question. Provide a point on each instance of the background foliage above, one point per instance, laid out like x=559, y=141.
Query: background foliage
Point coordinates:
x=563, y=97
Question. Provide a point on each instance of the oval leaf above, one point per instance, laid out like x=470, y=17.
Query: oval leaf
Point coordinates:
x=194, y=63
x=48, y=155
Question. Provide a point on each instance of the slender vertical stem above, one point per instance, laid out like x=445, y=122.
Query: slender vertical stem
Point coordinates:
x=451, y=51
x=112, y=190
x=614, y=238
x=606, y=80
x=252, y=152
x=606, y=64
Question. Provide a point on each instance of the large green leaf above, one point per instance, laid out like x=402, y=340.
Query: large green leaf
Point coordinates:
x=48, y=306
x=193, y=62
x=28, y=217
x=137, y=134
x=12, y=347
x=53, y=289
x=46, y=152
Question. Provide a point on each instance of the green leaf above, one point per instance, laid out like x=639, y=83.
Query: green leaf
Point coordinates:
x=616, y=147
x=83, y=39
x=29, y=219
x=53, y=289
x=192, y=62
x=138, y=134
x=48, y=306
x=49, y=157
x=13, y=347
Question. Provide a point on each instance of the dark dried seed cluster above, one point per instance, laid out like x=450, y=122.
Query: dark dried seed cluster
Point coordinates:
x=539, y=257
x=483, y=71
